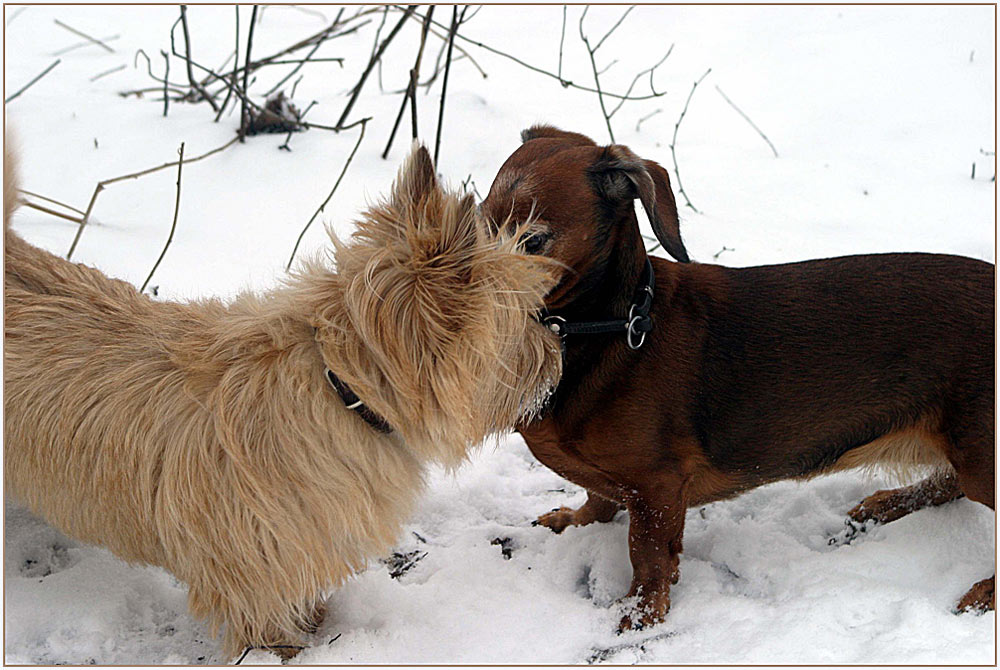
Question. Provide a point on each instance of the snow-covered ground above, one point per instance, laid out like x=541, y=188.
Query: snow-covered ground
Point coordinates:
x=878, y=115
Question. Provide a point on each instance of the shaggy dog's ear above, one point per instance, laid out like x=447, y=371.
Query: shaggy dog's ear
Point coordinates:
x=416, y=179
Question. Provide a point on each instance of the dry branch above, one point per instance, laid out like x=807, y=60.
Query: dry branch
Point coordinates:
x=32, y=82
x=84, y=36
x=107, y=72
x=673, y=142
x=87, y=43
x=456, y=21
x=747, y=118
x=190, y=73
x=361, y=135
x=135, y=175
x=410, y=94
x=371, y=64
x=173, y=226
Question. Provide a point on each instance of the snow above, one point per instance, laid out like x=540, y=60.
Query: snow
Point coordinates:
x=878, y=114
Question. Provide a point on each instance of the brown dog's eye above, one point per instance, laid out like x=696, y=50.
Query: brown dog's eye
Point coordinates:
x=535, y=242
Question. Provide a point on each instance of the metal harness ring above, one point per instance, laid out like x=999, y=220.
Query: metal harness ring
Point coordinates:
x=634, y=318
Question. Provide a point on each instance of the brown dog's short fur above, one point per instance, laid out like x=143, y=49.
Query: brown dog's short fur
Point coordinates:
x=204, y=437
x=750, y=375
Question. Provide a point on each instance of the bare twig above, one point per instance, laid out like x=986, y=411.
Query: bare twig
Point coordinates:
x=236, y=65
x=410, y=94
x=648, y=116
x=673, y=142
x=361, y=135
x=614, y=27
x=747, y=118
x=53, y=212
x=565, y=82
x=78, y=45
x=718, y=253
x=54, y=202
x=305, y=60
x=245, y=111
x=371, y=64
x=166, y=77
x=107, y=182
x=32, y=82
x=597, y=77
x=179, y=88
x=107, y=72
x=562, y=40
x=84, y=35
x=455, y=22
x=16, y=14
x=173, y=226
x=650, y=71
x=190, y=73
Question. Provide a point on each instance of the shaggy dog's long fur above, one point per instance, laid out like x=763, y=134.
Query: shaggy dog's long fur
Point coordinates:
x=204, y=437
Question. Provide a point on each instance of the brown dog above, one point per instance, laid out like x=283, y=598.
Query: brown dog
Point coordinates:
x=225, y=442
x=745, y=376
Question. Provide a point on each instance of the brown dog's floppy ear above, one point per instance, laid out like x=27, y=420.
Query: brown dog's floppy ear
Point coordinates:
x=622, y=175
x=545, y=131
x=416, y=178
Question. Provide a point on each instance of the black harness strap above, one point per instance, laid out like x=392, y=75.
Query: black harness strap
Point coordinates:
x=635, y=326
x=354, y=403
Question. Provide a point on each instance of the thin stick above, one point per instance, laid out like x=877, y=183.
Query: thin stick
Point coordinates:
x=190, y=73
x=305, y=60
x=593, y=64
x=166, y=76
x=455, y=21
x=371, y=64
x=107, y=72
x=747, y=118
x=84, y=36
x=245, y=111
x=32, y=82
x=173, y=226
x=410, y=94
x=107, y=182
x=614, y=27
x=673, y=142
x=78, y=45
x=15, y=15
x=361, y=135
x=648, y=116
x=236, y=65
x=32, y=205
x=54, y=202
x=565, y=82
x=649, y=71
x=562, y=39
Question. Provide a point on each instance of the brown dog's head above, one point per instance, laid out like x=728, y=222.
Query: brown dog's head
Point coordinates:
x=580, y=197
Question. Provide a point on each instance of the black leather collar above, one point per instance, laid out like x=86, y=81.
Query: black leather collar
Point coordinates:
x=635, y=326
x=354, y=403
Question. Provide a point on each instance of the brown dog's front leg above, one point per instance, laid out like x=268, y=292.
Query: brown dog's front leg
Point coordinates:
x=597, y=508
x=656, y=526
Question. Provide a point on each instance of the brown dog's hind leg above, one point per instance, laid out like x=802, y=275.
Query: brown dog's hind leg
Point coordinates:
x=973, y=438
x=597, y=508
x=889, y=505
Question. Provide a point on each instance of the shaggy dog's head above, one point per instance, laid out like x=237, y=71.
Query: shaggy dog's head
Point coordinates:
x=430, y=320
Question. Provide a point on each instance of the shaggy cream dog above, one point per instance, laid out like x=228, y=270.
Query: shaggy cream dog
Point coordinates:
x=213, y=440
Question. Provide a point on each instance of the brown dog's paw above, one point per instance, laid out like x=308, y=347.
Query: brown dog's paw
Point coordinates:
x=557, y=520
x=648, y=611
x=980, y=598
x=883, y=506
